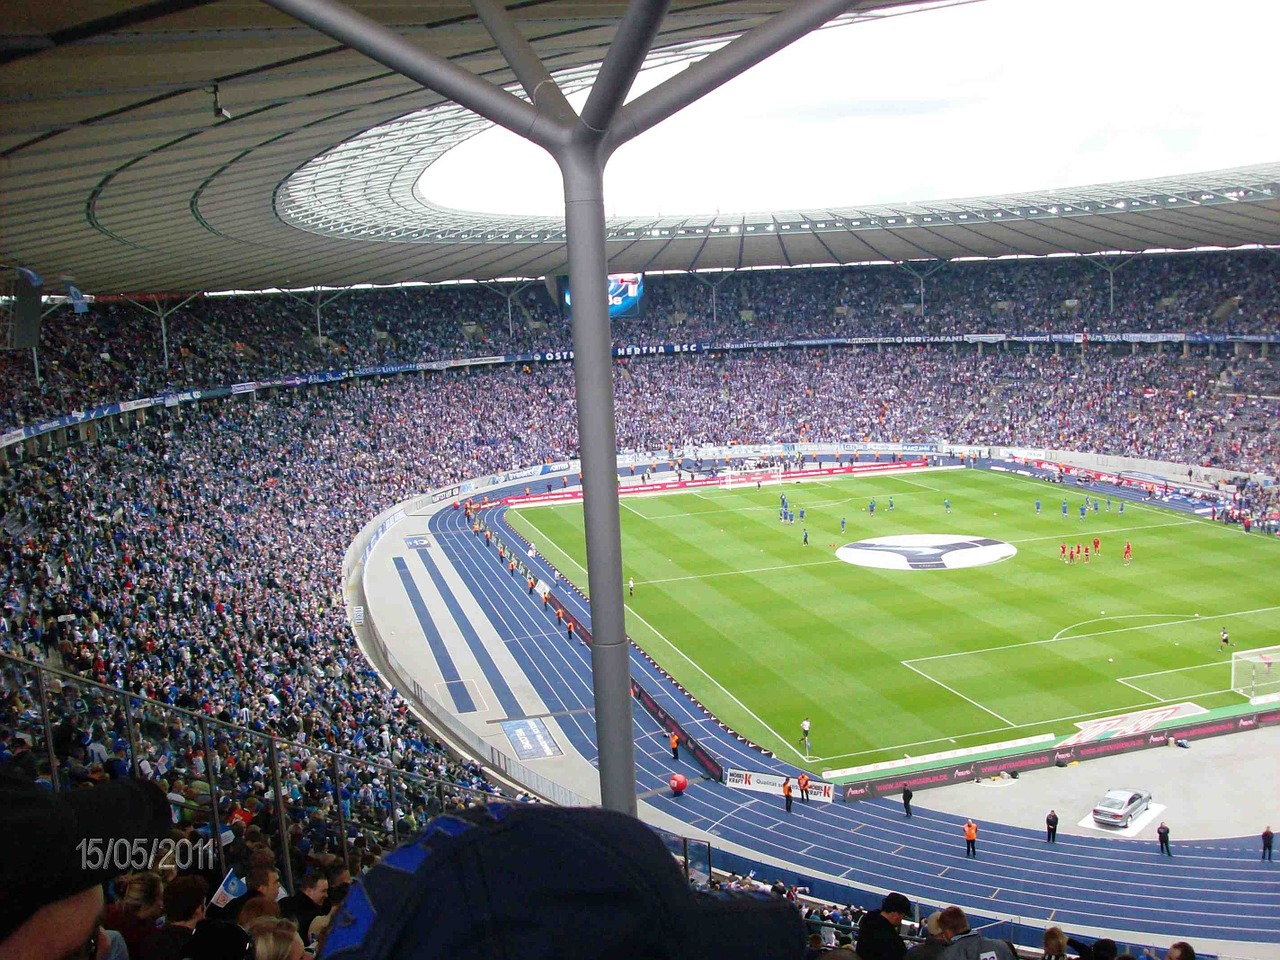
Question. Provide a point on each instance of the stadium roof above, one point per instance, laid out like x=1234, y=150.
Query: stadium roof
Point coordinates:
x=183, y=145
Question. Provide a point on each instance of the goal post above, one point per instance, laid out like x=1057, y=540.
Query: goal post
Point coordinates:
x=730, y=479
x=1255, y=674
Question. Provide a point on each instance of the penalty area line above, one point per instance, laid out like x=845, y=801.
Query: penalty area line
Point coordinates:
x=907, y=664
x=1059, y=638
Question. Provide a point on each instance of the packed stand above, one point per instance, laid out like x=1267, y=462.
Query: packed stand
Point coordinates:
x=116, y=351
x=195, y=561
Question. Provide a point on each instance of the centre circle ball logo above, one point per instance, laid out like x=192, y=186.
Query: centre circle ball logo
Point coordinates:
x=926, y=551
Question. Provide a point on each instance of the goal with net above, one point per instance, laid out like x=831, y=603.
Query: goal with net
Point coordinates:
x=1256, y=674
x=749, y=478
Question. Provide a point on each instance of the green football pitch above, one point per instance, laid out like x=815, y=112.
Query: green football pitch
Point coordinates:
x=894, y=663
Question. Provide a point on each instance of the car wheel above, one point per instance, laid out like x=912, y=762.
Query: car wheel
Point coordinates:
x=1126, y=822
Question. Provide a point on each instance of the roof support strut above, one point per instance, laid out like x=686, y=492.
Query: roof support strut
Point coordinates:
x=582, y=146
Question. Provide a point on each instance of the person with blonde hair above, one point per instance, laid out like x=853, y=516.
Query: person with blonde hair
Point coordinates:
x=1055, y=944
x=275, y=938
x=140, y=905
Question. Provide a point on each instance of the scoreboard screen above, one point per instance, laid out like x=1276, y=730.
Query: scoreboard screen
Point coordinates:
x=626, y=290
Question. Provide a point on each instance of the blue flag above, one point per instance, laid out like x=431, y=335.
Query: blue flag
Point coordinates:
x=232, y=887
x=31, y=276
x=78, y=303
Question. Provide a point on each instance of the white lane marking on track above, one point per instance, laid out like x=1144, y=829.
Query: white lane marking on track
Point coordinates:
x=732, y=813
x=693, y=663
x=907, y=664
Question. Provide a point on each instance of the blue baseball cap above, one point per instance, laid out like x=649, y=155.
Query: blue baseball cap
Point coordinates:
x=531, y=882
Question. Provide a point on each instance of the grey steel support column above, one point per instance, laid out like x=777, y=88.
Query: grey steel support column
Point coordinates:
x=434, y=72
x=593, y=378
x=47, y=723
x=215, y=822
x=337, y=802
x=131, y=731
x=921, y=275
x=714, y=70
x=1104, y=263
x=395, y=811
x=282, y=822
x=582, y=147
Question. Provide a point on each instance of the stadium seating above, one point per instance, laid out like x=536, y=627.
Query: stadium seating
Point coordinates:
x=192, y=561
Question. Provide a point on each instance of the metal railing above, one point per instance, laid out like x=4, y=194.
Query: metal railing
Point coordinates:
x=67, y=731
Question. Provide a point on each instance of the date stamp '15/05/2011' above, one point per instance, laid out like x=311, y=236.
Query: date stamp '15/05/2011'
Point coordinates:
x=145, y=853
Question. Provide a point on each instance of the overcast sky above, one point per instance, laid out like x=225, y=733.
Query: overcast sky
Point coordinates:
x=992, y=97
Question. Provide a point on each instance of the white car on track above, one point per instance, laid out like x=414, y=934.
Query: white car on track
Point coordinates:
x=1119, y=807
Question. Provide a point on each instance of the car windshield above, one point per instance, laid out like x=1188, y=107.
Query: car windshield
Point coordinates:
x=1113, y=803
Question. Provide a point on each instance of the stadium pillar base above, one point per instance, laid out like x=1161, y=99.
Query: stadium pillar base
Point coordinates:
x=582, y=145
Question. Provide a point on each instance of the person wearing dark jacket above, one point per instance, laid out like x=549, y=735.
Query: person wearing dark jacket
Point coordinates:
x=308, y=903
x=1104, y=949
x=878, y=937
x=184, y=899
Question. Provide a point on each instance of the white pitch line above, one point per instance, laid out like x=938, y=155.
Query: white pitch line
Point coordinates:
x=1071, y=718
x=557, y=547
x=1145, y=693
x=693, y=663
x=623, y=503
x=735, y=573
x=957, y=693
x=1069, y=536
x=1133, y=504
x=1157, y=673
x=916, y=483
x=1058, y=637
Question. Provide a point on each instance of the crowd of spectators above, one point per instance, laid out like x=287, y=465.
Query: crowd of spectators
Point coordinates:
x=195, y=560
x=1152, y=405
x=192, y=562
x=118, y=350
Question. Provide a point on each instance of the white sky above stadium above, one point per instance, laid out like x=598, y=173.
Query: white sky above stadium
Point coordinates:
x=987, y=98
